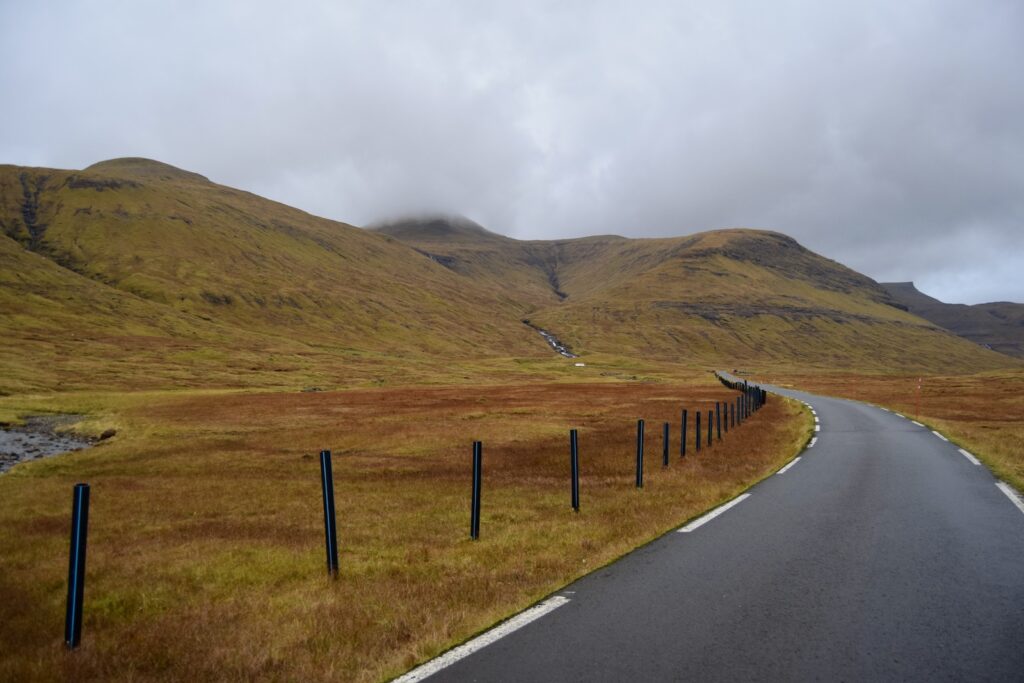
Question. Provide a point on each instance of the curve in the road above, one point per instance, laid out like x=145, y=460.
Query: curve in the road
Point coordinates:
x=884, y=552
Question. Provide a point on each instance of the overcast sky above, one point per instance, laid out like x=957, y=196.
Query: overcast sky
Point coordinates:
x=886, y=135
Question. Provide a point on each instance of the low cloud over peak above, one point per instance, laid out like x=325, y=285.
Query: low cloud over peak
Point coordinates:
x=889, y=136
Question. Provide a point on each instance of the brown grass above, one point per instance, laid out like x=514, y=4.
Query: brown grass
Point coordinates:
x=984, y=413
x=206, y=557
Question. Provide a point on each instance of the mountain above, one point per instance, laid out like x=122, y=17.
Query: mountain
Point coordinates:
x=135, y=274
x=998, y=326
x=136, y=265
x=743, y=296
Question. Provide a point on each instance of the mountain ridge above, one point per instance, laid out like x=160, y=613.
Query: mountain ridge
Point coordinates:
x=195, y=283
x=997, y=325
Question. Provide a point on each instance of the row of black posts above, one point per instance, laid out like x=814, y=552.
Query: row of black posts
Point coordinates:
x=726, y=415
x=751, y=399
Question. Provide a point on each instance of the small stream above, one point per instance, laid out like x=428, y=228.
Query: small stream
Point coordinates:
x=552, y=340
x=38, y=438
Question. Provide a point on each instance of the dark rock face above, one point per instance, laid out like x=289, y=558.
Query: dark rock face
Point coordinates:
x=998, y=326
x=99, y=184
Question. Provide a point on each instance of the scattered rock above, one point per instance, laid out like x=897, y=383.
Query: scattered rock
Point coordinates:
x=38, y=438
x=107, y=434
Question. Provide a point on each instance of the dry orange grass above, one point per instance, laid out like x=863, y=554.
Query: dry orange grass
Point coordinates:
x=206, y=557
x=984, y=413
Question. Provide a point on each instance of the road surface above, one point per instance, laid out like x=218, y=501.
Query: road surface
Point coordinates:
x=883, y=553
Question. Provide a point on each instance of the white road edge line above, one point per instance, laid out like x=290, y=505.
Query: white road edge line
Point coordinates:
x=817, y=427
x=700, y=521
x=816, y=420
x=939, y=435
x=917, y=423
x=970, y=457
x=900, y=415
x=1012, y=494
x=813, y=441
x=791, y=463
x=481, y=641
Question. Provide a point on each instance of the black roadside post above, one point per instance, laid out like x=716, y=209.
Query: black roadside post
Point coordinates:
x=682, y=435
x=76, y=565
x=474, y=512
x=718, y=421
x=639, y=454
x=725, y=415
x=574, y=465
x=330, y=528
x=664, y=446
x=696, y=431
x=710, y=413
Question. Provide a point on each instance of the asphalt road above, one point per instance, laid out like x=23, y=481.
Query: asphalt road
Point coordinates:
x=882, y=554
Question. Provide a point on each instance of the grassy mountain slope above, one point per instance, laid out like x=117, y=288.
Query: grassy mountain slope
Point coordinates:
x=231, y=270
x=998, y=325
x=726, y=295
x=136, y=274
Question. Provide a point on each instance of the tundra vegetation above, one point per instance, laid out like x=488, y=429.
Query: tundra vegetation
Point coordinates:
x=226, y=339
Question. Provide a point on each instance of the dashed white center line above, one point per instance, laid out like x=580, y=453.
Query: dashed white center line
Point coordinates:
x=917, y=423
x=1012, y=494
x=791, y=463
x=939, y=435
x=701, y=521
x=970, y=457
x=482, y=641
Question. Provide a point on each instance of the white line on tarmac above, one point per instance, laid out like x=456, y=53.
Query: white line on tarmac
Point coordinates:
x=970, y=457
x=813, y=441
x=817, y=428
x=899, y=415
x=1012, y=494
x=917, y=423
x=791, y=463
x=885, y=409
x=711, y=515
x=482, y=641
x=939, y=435
x=816, y=420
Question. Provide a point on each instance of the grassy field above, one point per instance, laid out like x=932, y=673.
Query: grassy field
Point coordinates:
x=984, y=413
x=206, y=556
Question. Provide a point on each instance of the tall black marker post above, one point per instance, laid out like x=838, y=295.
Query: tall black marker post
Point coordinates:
x=682, y=435
x=710, y=427
x=639, y=454
x=718, y=422
x=696, y=432
x=330, y=527
x=574, y=466
x=474, y=509
x=664, y=445
x=76, y=565
x=725, y=415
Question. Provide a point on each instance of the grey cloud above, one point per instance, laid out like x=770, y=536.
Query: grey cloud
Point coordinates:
x=889, y=136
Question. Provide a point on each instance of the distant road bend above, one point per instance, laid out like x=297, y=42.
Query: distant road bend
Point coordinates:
x=883, y=553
